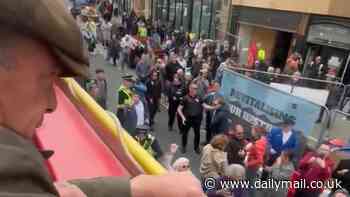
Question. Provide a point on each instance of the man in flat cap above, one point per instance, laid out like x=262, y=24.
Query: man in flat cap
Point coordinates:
x=282, y=138
x=40, y=42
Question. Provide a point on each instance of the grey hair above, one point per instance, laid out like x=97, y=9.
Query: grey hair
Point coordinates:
x=235, y=171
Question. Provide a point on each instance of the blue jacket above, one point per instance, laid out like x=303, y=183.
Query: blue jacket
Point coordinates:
x=220, y=120
x=275, y=140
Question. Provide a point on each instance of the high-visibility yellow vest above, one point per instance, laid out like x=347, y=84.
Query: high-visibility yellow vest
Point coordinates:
x=261, y=55
x=142, y=32
x=147, y=144
x=128, y=92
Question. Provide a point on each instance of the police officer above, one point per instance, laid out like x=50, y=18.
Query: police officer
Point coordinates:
x=125, y=95
x=191, y=112
x=175, y=96
x=148, y=141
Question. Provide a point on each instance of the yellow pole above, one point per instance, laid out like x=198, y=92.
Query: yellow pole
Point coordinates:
x=146, y=161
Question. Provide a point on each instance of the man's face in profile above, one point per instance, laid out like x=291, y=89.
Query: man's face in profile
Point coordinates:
x=27, y=85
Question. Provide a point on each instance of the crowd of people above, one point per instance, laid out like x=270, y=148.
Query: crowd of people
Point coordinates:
x=187, y=71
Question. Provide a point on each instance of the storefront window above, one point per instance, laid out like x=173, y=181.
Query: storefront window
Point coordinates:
x=330, y=34
x=196, y=16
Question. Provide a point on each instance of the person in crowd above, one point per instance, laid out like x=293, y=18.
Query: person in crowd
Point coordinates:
x=254, y=160
x=281, y=170
x=29, y=73
x=233, y=172
x=175, y=97
x=202, y=82
x=342, y=173
x=235, y=148
x=316, y=70
x=181, y=164
x=88, y=30
x=153, y=95
x=180, y=74
x=281, y=139
x=172, y=67
x=220, y=117
x=148, y=142
x=196, y=66
x=292, y=64
x=190, y=111
x=125, y=97
x=106, y=31
x=115, y=49
x=314, y=166
x=181, y=60
x=209, y=99
x=227, y=64
x=101, y=83
x=341, y=193
x=142, y=70
x=136, y=115
x=213, y=159
x=128, y=44
x=147, y=56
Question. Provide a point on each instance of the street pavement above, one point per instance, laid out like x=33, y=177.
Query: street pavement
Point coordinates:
x=161, y=132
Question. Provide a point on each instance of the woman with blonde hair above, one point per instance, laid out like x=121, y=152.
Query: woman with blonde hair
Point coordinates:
x=214, y=159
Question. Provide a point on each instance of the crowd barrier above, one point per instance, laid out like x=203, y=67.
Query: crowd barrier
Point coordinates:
x=281, y=98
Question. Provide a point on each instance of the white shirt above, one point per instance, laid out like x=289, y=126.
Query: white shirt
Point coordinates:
x=140, y=111
x=286, y=136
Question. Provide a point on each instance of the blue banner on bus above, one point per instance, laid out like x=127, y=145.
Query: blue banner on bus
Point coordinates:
x=254, y=103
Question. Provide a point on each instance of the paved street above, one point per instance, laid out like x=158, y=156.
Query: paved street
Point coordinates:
x=161, y=129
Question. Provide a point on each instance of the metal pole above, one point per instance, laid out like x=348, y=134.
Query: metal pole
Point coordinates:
x=182, y=13
x=200, y=21
x=151, y=16
x=175, y=15
x=346, y=68
x=211, y=18
x=190, y=16
x=168, y=11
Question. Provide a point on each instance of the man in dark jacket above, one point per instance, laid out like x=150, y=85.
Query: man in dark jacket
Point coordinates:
x=175, y=96
x=153, y=95
x=172, y=67
x=209, y=99
x=220, y=117
x=235, y=148
x=41, y=43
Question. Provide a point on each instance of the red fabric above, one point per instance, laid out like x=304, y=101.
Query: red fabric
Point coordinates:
x=313, y=172
x=294, y=177
x=256, y=153
x=252, y=51
x=79, y=151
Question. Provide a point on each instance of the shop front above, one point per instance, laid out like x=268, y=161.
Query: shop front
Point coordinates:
x=328, y=38
x=197, y=16
x=272, y=31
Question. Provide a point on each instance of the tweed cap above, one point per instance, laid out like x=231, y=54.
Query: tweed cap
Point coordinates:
x=50, y=22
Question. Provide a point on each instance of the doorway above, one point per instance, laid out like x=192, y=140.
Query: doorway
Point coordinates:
x=280, y=55
x=335, y=60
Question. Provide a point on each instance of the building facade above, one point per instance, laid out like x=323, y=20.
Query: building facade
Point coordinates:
x=202, y=17
x=281, y=27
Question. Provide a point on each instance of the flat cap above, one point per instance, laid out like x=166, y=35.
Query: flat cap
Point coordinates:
x=288, y=121
x=50, y=22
